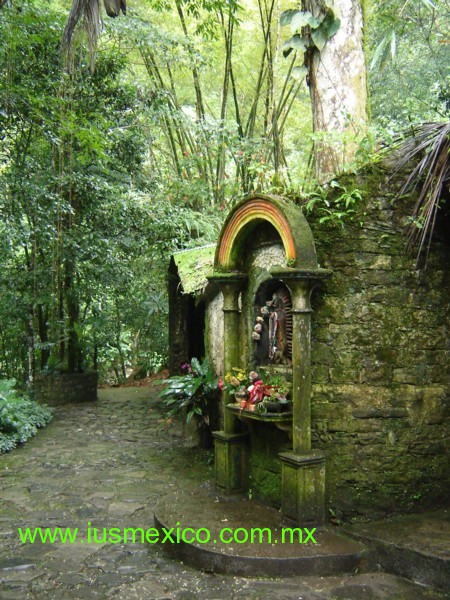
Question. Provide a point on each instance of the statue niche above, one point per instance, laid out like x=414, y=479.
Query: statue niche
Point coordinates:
x=272, y=331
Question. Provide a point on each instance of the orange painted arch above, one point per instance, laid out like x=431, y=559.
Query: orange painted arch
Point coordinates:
x=285, y=217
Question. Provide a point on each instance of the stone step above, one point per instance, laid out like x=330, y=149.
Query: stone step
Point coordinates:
x=413, y=546
x=200, y=508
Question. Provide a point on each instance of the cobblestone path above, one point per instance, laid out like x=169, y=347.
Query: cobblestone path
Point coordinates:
x=107, y=463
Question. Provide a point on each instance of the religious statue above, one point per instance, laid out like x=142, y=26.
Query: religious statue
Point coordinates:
x=272, y=331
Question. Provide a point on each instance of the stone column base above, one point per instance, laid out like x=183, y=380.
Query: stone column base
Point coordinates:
x=303, y=488
x=231, y=462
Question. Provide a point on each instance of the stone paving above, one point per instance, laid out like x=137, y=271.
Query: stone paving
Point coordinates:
x=107, y=463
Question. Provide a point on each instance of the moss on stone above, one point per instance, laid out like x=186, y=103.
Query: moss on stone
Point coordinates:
x=194, y=267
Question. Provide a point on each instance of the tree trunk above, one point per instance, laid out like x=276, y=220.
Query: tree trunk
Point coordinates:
x=73, y=315
x=338, y=88
x=42, y=317
x=30, y=348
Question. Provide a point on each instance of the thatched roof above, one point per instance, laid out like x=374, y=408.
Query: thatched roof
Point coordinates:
x=429, y=145
x=194, y=266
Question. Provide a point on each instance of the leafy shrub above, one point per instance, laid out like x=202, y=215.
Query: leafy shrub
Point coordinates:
x=20, y=417
x=156, y=362
x=193, y=395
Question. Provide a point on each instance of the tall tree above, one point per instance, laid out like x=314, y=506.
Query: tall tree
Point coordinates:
x=329, y=37
x=70, y=145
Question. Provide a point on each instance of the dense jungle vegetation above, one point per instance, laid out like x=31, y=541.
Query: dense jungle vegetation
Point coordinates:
x=109, y=163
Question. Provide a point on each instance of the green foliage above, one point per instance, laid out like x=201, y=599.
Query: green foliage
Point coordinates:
x=156, y=362
x=408, y=52
x=20, y=418
x=103, y=175
x=385, y=47
x=217, y=133
x=309, y=31
x=77, y=216
x=334, y=207
x=191, y=394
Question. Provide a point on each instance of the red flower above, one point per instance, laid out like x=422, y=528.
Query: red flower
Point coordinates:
x=256, y=392
x=220, y=384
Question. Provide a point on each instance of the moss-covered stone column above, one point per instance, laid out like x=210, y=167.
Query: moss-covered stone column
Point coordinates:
x=303, y=471
x=230, y=444
x=231, y=322
x=230, y=285
x=301, y=365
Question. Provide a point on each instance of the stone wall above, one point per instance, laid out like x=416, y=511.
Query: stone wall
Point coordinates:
x=178, y=329
x=380, y=359
x=66, y=387
x=380, y=363
x=266, y=443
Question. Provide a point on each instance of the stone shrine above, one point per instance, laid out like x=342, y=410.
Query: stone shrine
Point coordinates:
x=361, y=335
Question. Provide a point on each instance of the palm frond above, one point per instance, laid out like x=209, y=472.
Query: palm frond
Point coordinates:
x=428, y=145
x=113, y=7
x=89, y=12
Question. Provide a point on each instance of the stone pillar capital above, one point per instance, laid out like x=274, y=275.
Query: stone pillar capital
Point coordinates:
x=228, y=280
x=301, y=284
x=231, y=285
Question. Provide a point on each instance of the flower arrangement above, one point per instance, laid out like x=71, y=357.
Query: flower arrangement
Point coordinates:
x=253, y=393
x=234, y=382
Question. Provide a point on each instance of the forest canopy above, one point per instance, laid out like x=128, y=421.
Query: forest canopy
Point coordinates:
x=138, y=144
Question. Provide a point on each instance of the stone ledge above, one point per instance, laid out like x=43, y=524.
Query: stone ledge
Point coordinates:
x=412, y=546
